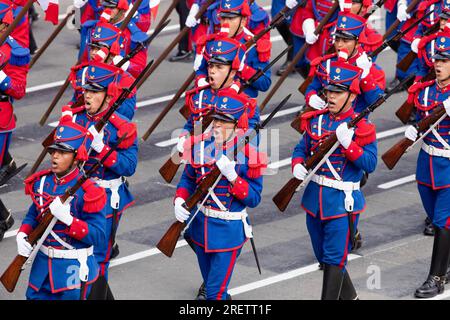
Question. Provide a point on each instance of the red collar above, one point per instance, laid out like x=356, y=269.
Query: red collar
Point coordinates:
x=96, y=117
x=67, y=178
x=442, y=89
x=342, y=116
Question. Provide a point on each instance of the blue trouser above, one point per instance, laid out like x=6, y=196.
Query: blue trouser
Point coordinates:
x=403, y=49
x=391, y=17
x=5, y=140
x=298, y=44
x=330, y=238
x=216, y=269
x=437, y=205
x=45, y=293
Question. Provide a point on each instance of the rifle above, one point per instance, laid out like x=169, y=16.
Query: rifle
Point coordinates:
x=122, y=97
x=11, y=275
x=406, y=109
x=366, y=16
x=168, y=242
x=170, y=167
x=16, y=21
x=299, y=55
x=424, y=126
x=406, y=62
x=167, y=14
x=63, y=88
x=396, y=23
x=275, y=21
x=284, y=196
x=51, y=38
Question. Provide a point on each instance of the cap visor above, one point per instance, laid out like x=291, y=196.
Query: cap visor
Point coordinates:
x=344, y=35
x=93, y=87
x=440, y=56
x=336, y=88
x=223, y=117
x=226, y=14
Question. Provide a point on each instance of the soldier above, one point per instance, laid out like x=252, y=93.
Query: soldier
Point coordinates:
x=283, y=30
x=233, y=19
x=333, y=199
x=14, y=60
x=65, y=267
x=132, y=35
x=184, y=46
x=101, y=88
x=21, y=31
x=346, y=44
x=221, y=227
x=105, y=44
x=433, y=170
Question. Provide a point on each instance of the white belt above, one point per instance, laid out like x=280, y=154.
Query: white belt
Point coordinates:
x=227, y=215
x=113, y=185
x=433, y=151
x=80, y=254
x=347, y=186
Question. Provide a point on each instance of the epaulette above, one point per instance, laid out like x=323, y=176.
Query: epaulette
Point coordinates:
x=124, y=126
x=89, y=24
x=257, y=162
x=94, y=197
x=365, y=133
x=316, y=61
x=212, y=13
x=263, y=47
x=370, y=39
x=29, y=182
x=20, y=56
x=137, y=36
x=258, y=14
x=308, y=116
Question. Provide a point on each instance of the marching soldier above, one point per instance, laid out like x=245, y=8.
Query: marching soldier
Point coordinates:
x=433, y=170
x=21, y=32
x=14, y=59
x=283, y=30
x=220, y=226
x=65, y=267
x=346, y=43
x=101, y=88
x=233, y=19
x=114, y=14
x=333, y=199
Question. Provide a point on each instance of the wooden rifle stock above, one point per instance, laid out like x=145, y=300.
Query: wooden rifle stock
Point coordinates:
x=169, y=240
x=393, y=155
x=406, y=109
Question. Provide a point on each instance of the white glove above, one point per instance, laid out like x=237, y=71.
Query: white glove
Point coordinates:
x=316, y=102
x=411, y=133
x=97, y=143
x=79, y=3
x=415, y=45
x=181, y=214
x=447, y=106
x=344, y=135
x=61, y=211
x=291, y=3
x=365, y=63
x=198, y=61
x=202, y=82
x=190, y=20
x=401, y=12
x=226, y=166
x=308, y=29
x=180, y=144
x=343, y=4
x=24, y=248
x=3, y=76
x=116, y=61
x=300, y=172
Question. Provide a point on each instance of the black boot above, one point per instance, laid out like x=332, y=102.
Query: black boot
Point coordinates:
x=181, y=56
x=114, y=251
x=348, y=291
x=358, y=241
x=283, y=68
x=332, y=282
x=6, y=220
x=9, y=169
x=201, y=294
x=429, y=228
x=434, y=284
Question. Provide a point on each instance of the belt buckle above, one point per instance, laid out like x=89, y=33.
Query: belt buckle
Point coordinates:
x=431, y=150
x=321, y=180
x=51, y=252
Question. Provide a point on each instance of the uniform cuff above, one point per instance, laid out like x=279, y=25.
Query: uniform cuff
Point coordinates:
x=247, y=73
x=182, y=193
x=309, y=94
x=25, y=228
x=240, y=189
x=78, y=229
x=111, y=160
x=296, y=161
x=368, y=84
x=353, y=152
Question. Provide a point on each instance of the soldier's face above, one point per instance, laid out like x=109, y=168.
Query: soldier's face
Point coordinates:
x=442, y=68
x=356, y=8
x=337, y=99
x=93, y=51
x=217, y=74
x=344, y=44
x=223, y=130
x=236, y=24
x=93, y=101
x=62, y=161
x=442, y=23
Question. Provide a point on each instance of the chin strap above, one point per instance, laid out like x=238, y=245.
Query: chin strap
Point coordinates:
x=345, y=103
x=226, y=79
x=236, y=32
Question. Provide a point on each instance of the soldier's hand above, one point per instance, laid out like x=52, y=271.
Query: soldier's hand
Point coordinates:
x=190, y=20
x=308, y=29
x=118, y=59
x=24, y=248
x=300, y=172
x=401, y=12
x=180, y=144
x=61, y=211
x=316, y=102
x=411, y=133
x=291, y=3
x=226, y=167
x=97, y=142
x=344, y=134
x=79, y=3
x=365, y=64
x=447, y=106
x=181, y=214
x=415, y=45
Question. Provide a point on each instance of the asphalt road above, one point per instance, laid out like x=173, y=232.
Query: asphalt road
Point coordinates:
x=393, y=261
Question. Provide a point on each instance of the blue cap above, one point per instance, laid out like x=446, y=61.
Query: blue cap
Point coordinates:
x=234, y=8
x=349, y=25
x=100, y=76
x=224, y=50
x=343, y=77
x=442, y=45
x=105, y=34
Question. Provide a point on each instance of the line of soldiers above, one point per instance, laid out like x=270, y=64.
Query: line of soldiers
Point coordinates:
x=221, y=137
